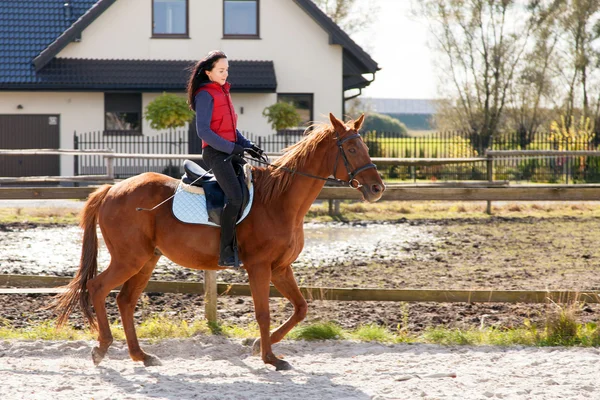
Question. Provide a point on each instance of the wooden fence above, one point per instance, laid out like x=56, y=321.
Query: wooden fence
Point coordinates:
x=462, y=191
x=48, y=285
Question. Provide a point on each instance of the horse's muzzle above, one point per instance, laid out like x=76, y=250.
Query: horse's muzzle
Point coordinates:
x=372, y=192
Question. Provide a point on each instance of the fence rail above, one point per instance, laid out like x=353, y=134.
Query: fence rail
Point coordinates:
x=437, y=145
x=49, y=284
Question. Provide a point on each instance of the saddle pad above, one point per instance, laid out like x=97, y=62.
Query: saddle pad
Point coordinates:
x=191, y=207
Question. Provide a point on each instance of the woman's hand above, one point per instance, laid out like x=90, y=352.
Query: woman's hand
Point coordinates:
x=238, y=150
x=254, y=151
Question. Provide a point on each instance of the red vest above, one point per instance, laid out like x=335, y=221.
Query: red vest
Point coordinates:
x=224, y=118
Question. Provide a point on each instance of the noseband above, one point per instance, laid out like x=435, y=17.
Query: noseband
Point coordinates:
x=352, y=181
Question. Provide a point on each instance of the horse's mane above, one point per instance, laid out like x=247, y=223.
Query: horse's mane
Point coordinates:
x=273, y=181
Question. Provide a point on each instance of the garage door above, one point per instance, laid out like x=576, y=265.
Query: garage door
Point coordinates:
x=29, y=132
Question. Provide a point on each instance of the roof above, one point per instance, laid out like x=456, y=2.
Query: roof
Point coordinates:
x=361, y=58
x=37, y=30
x=27, y=28
x=140, y=75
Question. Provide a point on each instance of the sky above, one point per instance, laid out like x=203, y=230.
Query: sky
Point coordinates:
x=398, y=43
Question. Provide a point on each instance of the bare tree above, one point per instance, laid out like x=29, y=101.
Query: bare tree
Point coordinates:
x=483, y=43
x=352, y=16
x=531, y=96
x=576, y=57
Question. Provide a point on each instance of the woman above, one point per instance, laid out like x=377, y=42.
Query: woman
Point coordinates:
x=216, y=124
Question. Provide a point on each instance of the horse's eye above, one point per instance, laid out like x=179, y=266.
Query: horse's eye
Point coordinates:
x=352, y=150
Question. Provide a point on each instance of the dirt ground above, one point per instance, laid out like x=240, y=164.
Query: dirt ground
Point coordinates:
x=494, y=253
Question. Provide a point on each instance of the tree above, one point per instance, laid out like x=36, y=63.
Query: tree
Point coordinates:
x=483, y=43
x=579, y=29
x=384, y=125
x=282, y=115
x=533, y=92
x=352, y=16
x=168, y=111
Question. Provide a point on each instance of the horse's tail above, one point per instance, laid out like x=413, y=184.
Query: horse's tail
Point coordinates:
x=76, y=291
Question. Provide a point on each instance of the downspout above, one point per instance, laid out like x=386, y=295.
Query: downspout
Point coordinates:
x=345, y=99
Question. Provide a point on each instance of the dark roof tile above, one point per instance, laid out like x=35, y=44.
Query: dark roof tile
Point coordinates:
x=138, y=75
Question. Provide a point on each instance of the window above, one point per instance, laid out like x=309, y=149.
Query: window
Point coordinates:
x=303, y=103
x=240, y=19
x=123, y=113
x=170, y=18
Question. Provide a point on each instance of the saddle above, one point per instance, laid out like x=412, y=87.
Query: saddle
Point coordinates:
x=200, y=200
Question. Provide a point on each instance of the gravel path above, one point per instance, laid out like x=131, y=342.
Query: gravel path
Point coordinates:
x=219, y=368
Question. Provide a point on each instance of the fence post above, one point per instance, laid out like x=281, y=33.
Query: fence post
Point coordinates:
x=210, y=296
x=490, y=176
x=110, y=166
x=76, y=157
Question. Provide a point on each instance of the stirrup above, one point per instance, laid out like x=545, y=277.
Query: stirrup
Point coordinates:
x=232, y=261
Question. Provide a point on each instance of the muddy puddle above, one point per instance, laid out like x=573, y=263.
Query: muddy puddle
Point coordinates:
x=56, y=250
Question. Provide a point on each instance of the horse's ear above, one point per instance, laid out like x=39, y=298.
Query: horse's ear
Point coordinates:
x=337, y=124
x=359, y=122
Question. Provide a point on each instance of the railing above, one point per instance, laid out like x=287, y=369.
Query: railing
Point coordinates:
x=487, y=191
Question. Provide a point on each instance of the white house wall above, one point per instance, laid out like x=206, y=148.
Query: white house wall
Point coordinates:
x=79, y=112
x=304, y=60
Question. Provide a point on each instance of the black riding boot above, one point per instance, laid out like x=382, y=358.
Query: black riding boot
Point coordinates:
x=229, y=255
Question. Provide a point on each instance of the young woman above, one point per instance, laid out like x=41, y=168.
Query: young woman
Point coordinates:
x=216, y=124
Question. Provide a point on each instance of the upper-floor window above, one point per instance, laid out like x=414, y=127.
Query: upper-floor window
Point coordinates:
x=241, y=19
x=170, y=18
x=123, y=113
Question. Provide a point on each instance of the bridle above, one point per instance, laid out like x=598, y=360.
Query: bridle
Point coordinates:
x=352, y=181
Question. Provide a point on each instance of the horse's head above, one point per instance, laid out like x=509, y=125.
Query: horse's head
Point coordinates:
x=353, y=163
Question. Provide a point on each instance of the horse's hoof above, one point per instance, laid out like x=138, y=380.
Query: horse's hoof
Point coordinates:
x=152, y=361
x=282, y=365
x=97, y=355
x=256, y=347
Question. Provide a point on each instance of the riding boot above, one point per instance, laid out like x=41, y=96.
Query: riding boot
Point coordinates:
x=229, y=255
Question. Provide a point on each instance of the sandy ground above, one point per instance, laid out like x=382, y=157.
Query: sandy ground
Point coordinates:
x=220, y=368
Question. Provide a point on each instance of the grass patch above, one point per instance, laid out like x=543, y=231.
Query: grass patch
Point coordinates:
x=433, y=210
x=162, y=327
x=42, y=215
x=43, y=331
x=359, y=211
x=374, y=333
x=318, y=331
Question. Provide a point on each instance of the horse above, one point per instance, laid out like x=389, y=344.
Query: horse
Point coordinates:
x=270, y=238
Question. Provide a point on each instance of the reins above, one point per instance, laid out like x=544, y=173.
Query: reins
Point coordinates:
x=351, y=182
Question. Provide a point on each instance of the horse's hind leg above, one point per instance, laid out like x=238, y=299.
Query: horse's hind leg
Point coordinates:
x=116, y=274
x=127, y=299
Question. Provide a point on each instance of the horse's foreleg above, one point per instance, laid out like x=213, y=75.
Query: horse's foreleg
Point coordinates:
x=126, y=300
x=285, y=282
x=260, y=281
x=99, y=287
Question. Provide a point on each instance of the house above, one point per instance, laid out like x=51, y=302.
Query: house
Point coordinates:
x=94, y=65
x=416, y=114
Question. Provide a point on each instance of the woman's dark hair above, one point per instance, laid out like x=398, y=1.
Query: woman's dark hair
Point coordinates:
x=199, y=76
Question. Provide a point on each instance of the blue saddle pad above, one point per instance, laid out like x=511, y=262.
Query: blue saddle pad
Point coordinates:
x=189, y=205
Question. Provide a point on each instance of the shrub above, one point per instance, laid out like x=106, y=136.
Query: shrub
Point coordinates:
x=282, y=115
x=168, y=111
x=386, y=125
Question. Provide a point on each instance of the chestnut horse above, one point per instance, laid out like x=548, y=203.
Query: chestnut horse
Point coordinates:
x=270, y=238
